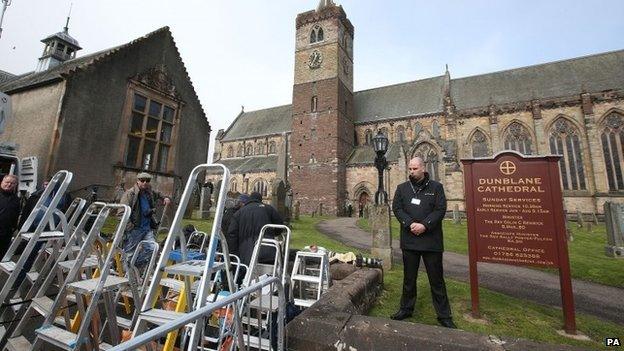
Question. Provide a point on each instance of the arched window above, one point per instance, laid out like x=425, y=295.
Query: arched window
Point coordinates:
x=233, y=186
x=564, y=140
x=368, y=137
x=319, y=34
x=479, y=144
x=260, y=148
x=272, y=147
x=518, y=138
x=313, y=36
x=384, y=131
x=314, y=104
x=417, y=130
x=429, y=154
x=249, y=150
x=400, y=134
x=435, y=129
x=239, y=151
x=230, y=151
x=316, y=34
x=261, y=186
x=612, y=139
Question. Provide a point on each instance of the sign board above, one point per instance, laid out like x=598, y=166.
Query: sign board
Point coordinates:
x=5, y=110
x=515, y=216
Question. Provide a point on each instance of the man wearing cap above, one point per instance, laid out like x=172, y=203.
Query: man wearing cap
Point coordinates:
x=142, y=201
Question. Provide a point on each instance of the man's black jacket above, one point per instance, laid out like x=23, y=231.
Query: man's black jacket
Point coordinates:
x=423, y=202
x=245, y=227
x=9, y=212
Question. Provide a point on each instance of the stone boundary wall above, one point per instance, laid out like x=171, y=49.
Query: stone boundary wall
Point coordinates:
x=336, y=323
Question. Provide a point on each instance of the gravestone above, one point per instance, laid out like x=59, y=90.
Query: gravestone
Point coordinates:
x=205, y=203
x=456, y=215
x=193, y=202
x=320, y=209
x=382, y=235
x=579, y=219
x=614, y=221
x=595, y=218
x=297, y=206
x=279, y=200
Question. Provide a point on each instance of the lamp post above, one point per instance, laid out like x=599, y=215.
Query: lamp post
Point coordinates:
x=380, y=144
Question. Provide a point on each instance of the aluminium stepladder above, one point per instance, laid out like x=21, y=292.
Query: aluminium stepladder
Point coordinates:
x=310, y=277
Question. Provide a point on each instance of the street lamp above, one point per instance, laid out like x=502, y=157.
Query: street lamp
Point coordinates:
x=380, y=144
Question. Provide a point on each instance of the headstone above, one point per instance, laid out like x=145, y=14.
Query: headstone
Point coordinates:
x=614, y=221
x=279, y=200
x=579, y=219
x=595, y=218
x=320, y=209
x=382, y=234
x=589, y=226
x=204, y=202
x=456, y=215
x=297, y=206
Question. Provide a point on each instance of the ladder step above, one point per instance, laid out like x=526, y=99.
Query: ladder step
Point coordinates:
x=19, y=343
x=42, y=304
x=306, y=278
x=88, y=286
x=194, y=268
x=257, y=343
x=172, y=283
x=254, y=322
x=63, y=338
x=53, y=235
x=268, y=303
x=32, y=276
x=89, y=262
x=124, y=322
x=304, y=302
x=7, y=266
x=159, y=317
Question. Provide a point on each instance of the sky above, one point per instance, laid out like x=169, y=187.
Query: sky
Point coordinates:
x=241, y=52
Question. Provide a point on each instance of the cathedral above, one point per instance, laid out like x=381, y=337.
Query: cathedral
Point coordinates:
x=321, y=145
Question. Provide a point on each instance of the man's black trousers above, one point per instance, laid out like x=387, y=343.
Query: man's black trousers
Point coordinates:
x=435, y=273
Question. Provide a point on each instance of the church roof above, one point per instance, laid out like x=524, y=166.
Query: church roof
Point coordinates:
x=64, y=36
x=250, y=164
x=365, y=154
x=6, y=76
x=57, y=73
x=400, y=100
x=593, y=73
x=275, y=120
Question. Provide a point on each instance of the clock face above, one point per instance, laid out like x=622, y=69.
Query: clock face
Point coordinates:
x=315, y=59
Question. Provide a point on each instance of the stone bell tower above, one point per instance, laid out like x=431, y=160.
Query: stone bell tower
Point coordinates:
x=323, y=122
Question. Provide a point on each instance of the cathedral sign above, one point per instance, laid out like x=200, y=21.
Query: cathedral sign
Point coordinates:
x=515, y=216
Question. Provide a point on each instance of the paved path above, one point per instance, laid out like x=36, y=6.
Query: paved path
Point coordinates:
x=602, y=301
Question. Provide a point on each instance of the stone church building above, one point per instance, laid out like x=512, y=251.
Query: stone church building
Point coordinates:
x=321, y=143
x=109, y=115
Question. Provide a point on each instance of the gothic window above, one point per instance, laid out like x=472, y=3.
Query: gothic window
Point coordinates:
x=384, y=131
x=429, y=154
x=316, y=34
x=261, y=186
x=400, y=134
x=150, y=136
x=239, y=151
x=233, y=186
x=272, y=147
x=479, y=144
x=249, y=150
x=612, y=139
x=368, y=137
x=417, y=130
x=435, y=129
x=564, y=140
x=260, y=148
x=230, y=152
x=518, y=138
x=314, y=104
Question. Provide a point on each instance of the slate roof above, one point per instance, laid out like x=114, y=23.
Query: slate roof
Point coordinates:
x=273, y=120
x=593, y=73
x=6, y=76
x=400, y=100
x=250, y=164
x=365, y=154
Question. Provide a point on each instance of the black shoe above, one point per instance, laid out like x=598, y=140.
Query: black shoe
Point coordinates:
x=401, y=315
x=447, y=323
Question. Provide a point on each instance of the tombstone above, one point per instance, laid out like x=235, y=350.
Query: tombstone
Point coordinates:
x=204, y=201
x=595, y=218
x=456, y=215
x=320, y=209
x=589, y=226
x=297, y=206
x=193, y=202
x=614, y=221
x=579, y=219
x=382, y=234
x=279, y=200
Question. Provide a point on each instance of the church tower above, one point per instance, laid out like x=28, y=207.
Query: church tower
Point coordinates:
x=323, y=123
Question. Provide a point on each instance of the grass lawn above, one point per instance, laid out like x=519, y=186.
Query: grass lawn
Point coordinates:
x=587, y=259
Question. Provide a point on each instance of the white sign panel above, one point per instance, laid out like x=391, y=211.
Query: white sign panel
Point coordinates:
x=5, y=110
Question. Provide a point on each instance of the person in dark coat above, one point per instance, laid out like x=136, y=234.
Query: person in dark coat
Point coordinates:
x=245, y=228
x=420, y=205
x=231, y=207
x=9, y=211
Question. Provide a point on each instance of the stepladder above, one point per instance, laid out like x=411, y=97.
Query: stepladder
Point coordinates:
x=310, y=277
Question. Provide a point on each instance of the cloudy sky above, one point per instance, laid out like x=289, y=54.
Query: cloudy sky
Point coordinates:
x=241, y=52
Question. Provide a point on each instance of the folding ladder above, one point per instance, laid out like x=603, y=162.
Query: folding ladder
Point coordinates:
x=92, y=290
x=202, y=269
x=310, y=277
x=44, y=212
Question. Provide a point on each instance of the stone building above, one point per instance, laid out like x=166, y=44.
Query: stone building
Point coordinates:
x=321, y=143
x=108, y=115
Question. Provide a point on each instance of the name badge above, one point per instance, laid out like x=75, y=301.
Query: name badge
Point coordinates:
x=415, y=201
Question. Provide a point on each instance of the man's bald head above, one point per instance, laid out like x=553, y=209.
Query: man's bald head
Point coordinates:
x=416, y=168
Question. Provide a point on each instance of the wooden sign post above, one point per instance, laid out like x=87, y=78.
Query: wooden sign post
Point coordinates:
x=515, y=216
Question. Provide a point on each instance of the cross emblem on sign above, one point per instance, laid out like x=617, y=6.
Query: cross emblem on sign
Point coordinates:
x=507, y=167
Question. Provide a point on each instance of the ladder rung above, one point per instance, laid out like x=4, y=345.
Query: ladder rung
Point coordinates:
x=268, y=302
x=32, y=276
x=89, y=262
x=306, y=278
x=158, y=316
x=172, y=283
x=19, y=343
x=124, y=322
x=193, y=268
x=304, y=302
x=7, y=266
x=58, y=337
x=44, y=235
x=42, y=304
x=88, y=286
x=254, y=321
x=252, y=341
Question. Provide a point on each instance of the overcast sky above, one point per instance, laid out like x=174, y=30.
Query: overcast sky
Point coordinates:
x=241, y=52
